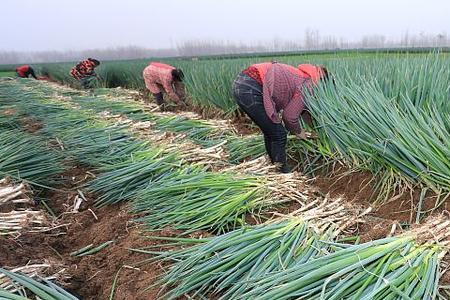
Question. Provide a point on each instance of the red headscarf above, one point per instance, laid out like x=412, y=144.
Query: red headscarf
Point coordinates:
x=311, y=71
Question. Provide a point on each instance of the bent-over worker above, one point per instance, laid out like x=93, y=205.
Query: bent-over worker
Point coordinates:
x=160, y=78
x=84, y=72
x=266, y=90
x=25, y=71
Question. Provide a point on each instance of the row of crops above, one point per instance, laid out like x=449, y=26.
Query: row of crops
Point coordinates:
x=387, y=113
x=28, y=166
x=177, y=171
x=128, y=167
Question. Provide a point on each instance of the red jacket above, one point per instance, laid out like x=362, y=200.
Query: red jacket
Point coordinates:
x=22, y=70
x=282, y=91
x=158, y=78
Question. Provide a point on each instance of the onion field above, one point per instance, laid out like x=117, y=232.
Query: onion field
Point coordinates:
x=387, y=113
x=108, y=198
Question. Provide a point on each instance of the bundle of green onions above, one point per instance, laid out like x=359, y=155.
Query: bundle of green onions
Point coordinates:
x=114, y=106
x=28, y=288
x=402, y=267
x=212, y=157
x=191, y=153
x=123, y=180
x=289, y=187
x=96, y=145
x=25, y=157
x=224, y=265
x=193, y=199
x=243, y=148
x=9, y=116
x=199, y=131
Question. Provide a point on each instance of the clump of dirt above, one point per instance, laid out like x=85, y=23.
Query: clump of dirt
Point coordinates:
x=28, y=247
x=374, y=228
x=70, y=181
x=30, y=125
x=355, y=186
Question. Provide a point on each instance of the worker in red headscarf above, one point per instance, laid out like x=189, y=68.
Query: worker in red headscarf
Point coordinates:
x=160, y=78
x=314, y=73
x=25, y=71
x=267, y=90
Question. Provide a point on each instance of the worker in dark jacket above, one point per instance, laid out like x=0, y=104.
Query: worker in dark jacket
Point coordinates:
x=265, y=90
x=25, y=71
x=84, y=72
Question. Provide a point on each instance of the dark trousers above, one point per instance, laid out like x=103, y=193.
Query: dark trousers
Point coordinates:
x=87, y=82
x=159, y=98
x=31, y=72
x=249, y=97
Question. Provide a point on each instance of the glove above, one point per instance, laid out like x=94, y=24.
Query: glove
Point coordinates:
x=306, y=135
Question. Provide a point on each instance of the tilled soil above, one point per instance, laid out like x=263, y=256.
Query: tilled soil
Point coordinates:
x=90, y=277
x=359, y=188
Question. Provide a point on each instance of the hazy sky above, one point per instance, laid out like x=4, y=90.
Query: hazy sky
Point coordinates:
x=82, y=24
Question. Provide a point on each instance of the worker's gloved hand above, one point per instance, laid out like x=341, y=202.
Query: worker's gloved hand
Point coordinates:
x=301, y=135
x=306, y=135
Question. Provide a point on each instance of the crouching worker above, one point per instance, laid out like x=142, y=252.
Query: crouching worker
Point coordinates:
x=160, y=78
x=25, y=71
x=84, y=72
x=265, y=90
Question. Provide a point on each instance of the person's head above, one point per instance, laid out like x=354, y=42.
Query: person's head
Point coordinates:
x=94, y=61
x=324, y=73
x=177, y=75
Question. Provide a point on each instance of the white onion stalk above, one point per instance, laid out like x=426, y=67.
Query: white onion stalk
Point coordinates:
x=13, y=193
x=29, y=220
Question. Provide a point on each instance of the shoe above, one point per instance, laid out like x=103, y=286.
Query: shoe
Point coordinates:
x=285, y=169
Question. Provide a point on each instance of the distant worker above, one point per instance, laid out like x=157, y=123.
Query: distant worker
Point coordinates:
x=84, y=72
x=161, y=78
x=25, y=71
x=263, y=90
